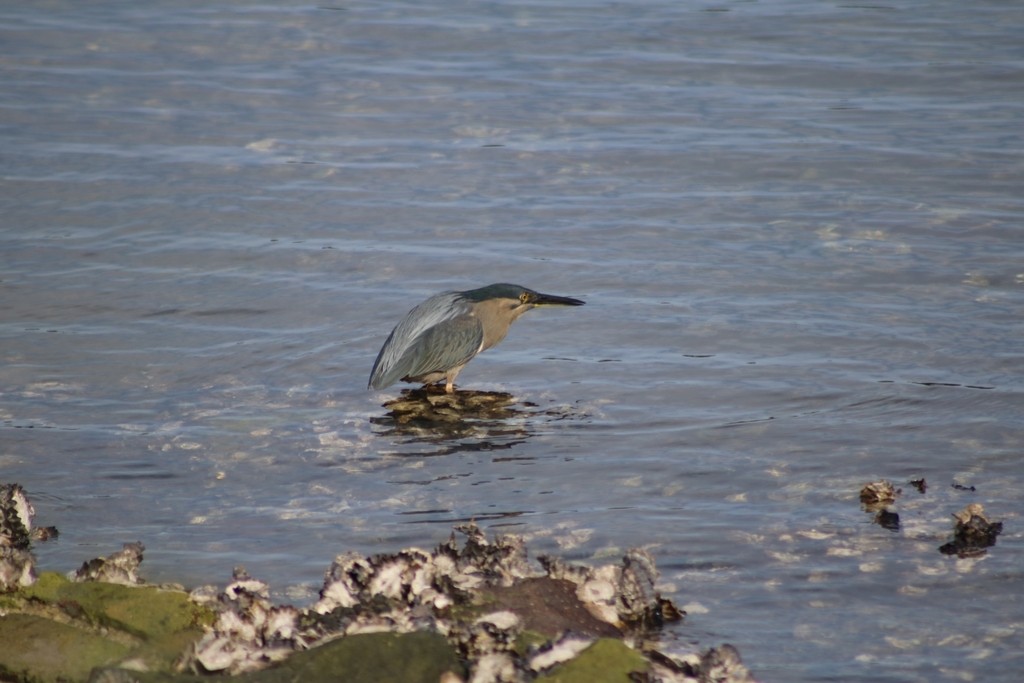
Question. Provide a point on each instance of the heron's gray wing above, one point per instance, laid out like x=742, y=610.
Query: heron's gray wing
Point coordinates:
x=449, y=344
x=436, y=336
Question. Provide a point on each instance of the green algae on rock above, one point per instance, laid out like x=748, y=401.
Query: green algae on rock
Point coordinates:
x=58, y=630
x=143, y=612
x=37, y=648
x=606, y=660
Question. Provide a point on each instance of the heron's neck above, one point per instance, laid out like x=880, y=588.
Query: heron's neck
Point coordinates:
x=494, y=333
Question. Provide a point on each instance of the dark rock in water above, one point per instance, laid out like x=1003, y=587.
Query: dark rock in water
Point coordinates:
x=120, y=567
x=461, y=421
x=888, y=520
x=877, y=494
x=920, y=484
x=876, y=497
x=973, y=532
x=433, y=405
x=464, y=421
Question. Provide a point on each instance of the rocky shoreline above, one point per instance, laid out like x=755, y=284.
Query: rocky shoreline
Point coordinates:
x=474, y=609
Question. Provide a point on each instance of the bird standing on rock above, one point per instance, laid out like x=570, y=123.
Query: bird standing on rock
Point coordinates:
x=435, y=340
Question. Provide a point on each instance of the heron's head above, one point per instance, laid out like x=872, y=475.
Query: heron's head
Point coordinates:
x=499, y=305
x=514, y=300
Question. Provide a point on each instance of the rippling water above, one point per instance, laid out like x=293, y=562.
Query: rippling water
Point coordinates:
x=797, y=229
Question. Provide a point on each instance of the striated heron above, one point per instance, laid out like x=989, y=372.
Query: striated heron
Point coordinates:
x=435, y=340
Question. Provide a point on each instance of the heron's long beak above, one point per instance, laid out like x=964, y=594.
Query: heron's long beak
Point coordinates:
x=552, y=300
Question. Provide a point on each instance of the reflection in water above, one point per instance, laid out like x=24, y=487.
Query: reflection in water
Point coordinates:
x=488, y=429
x=460, y=421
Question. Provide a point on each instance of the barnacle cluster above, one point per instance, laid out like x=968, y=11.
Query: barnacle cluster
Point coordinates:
x=482, y=595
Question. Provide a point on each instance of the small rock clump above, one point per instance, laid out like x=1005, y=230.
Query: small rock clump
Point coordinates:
x=249, y=633
x=120, y=567
x=973, y=532
x=877, y=497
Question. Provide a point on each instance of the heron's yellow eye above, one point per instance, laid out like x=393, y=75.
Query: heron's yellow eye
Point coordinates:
x=524, y=298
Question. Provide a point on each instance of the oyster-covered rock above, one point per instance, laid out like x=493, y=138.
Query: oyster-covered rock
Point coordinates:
x=715, y=665
x=434, y=406
x=249, y=632
x=878, y=494
x=120, y=567
x=16, y=513
x=973, y=532
x=17, y=568
x=440, y=591
x=623, y=595
x=17, y=564
x=877, y=497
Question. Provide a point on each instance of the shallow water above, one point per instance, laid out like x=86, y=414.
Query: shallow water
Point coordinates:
x=797, y=230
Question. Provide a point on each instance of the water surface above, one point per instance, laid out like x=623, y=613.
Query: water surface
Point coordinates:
x=796, y=227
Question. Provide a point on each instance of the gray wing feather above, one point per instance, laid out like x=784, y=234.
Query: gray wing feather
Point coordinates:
x=436, y=336
x=447, y=345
